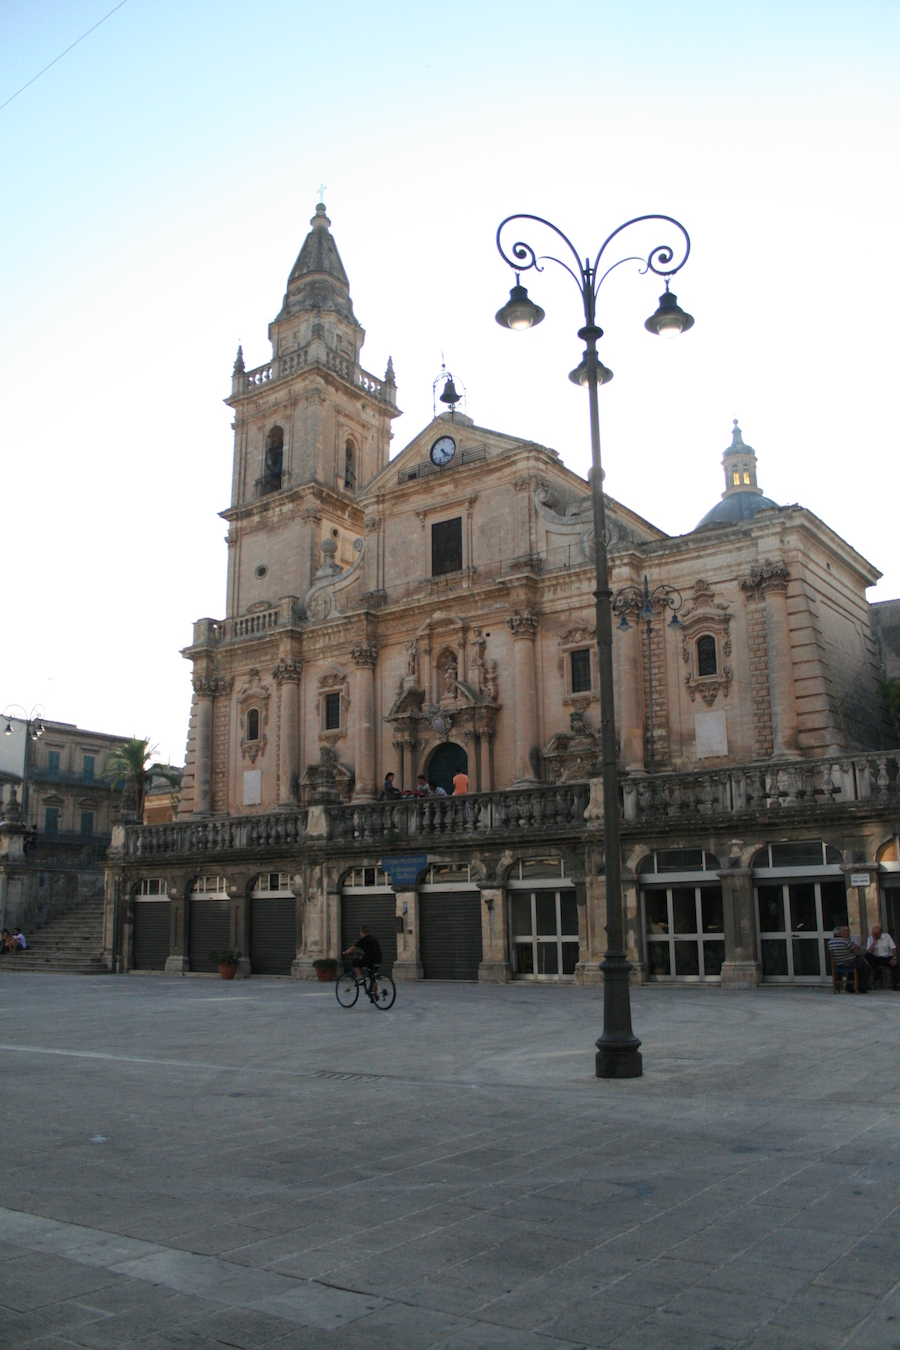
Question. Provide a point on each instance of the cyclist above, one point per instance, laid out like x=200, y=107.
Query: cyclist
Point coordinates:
x=367, y=955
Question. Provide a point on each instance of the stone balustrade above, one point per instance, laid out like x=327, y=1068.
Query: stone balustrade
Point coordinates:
x=773, y=786
x=694, y=799
x=261, y=375
x=249, y=624
x=289, y=366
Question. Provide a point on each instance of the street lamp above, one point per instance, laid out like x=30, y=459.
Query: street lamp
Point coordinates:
x=618, y=1055
x=34, y=728
x=632, y=598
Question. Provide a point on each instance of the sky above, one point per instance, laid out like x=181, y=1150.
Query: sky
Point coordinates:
x=157, y=184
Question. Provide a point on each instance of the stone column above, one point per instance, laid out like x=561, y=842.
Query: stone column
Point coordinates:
x=740, y=968
x=524, y=626
x=287, y=677
x=629, y=697
x=593, y=938
x=365, y=654
x=495, y=966
x=204, y=689
x=408, y=965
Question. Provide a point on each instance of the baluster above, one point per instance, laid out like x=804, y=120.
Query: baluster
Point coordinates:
x=882, y=780
x=673, y=806
x=706, y=795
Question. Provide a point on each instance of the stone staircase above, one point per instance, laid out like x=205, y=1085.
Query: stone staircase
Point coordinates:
x=70, y=944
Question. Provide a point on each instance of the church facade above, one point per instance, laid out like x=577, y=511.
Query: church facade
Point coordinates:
x=433, y=613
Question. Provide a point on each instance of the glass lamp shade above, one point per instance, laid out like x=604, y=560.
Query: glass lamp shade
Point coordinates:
x=519, y=312
x=7, y=731
x=669, y=319
x=580, y=374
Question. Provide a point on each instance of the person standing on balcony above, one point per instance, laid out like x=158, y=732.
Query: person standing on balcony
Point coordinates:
x=460, y=784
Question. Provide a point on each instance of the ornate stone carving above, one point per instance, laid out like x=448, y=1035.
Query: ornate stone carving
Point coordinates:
x=287, y=672
x=365, y=654
x=372, y=524
x=212, y=686
x=706, y=616
x=322, y=597
x=311, y=513
x=769, y=576
x=523, y=623
x=253, y=694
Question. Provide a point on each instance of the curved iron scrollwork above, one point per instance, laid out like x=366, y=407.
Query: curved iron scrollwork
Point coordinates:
x=660, y=260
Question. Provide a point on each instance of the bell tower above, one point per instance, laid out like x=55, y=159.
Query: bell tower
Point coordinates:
x=739, y=463
x=311, y=428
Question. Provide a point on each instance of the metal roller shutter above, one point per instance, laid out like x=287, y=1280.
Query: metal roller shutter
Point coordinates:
x=379, y=912
x=273, y=935
x=207, y=932
x=450, y=936
x=150, y=934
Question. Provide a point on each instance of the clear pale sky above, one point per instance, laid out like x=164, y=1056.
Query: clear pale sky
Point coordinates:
x=157, y=184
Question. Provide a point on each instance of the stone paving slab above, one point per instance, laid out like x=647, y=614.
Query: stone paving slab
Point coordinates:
x=192, y=1165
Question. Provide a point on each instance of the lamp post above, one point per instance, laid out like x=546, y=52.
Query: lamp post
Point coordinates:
x=34, y=730
x=632, y=597
x=618, y=1055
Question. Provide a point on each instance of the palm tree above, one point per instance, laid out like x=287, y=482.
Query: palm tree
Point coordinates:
x=132, y=761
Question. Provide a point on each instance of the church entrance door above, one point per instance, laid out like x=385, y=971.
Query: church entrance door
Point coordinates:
x=447, y=760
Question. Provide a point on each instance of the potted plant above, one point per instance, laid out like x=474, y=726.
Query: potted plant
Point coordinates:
x=325, y=968
x=227, y=962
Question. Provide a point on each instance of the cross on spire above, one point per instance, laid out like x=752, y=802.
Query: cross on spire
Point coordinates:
x=321, y=190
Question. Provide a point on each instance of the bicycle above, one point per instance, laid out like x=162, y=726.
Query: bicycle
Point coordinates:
x=379, y=989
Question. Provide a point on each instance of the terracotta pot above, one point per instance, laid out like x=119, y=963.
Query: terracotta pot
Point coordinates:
x=227, y=972
x=325, y=975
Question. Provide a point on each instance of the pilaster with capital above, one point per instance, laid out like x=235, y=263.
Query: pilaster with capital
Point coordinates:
x=495, y=966
x=770, y=581
x=408, y=965
x=523, y=626
x=365, y=656
x=287, y=675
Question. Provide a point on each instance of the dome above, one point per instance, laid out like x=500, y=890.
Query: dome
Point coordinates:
x=743, y=496
x=738, y=506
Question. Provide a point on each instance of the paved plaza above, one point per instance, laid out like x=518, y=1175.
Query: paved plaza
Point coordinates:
x=190, y=1163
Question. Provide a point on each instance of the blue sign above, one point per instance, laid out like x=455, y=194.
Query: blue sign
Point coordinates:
x=404, y=870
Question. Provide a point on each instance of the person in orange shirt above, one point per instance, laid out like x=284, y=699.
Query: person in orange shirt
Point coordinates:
x=460, y=784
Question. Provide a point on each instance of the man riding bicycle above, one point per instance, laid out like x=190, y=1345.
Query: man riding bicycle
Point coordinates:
x=367, y=957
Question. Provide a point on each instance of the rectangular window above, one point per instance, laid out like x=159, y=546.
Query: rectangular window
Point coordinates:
x=154, y=886
x=332, y=712
x=581, y=671
x=51, y=820
x=446, y=547
x=87, y=769
x=52, y=763
x=87, y=824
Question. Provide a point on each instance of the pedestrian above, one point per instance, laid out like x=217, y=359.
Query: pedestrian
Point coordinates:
x=389, y=793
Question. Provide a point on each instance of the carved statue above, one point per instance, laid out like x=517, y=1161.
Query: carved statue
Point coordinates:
x=412, y=659
x=490, y=682
x=451, y=676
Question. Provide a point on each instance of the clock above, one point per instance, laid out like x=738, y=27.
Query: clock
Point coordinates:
x=443, y=451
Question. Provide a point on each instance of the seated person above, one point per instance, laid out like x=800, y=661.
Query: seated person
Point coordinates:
x=5, y=942
x=422, y=788
x=436, y=789
x=845, y=957
x=881, y=954
x=368, y=953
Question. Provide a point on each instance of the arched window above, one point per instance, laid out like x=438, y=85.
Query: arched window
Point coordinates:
x=252, y=724
x=706, y=655
x=747, y=476
x=736, y=478
x=350, y=466
x=272, y=463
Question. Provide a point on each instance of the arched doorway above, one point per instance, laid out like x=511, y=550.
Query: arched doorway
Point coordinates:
x=447, y=760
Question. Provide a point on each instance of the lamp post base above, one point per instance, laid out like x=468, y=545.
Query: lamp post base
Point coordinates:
x=618, y=1054
x=618, y=1061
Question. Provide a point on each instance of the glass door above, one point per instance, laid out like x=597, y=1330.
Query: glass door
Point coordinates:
x=544, y=932
x=684, y=930
x=796, y=919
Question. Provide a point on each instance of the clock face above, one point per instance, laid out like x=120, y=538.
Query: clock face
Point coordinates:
x=443, y=451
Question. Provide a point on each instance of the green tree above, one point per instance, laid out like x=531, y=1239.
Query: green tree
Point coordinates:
x=131, y=762
x=891, y=691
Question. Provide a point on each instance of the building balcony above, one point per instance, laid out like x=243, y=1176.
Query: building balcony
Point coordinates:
x=735, y=797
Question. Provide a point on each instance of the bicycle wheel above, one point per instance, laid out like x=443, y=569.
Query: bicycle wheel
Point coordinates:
x=346, y=991
x=384, y=993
